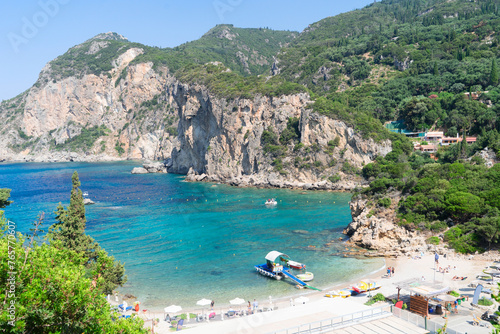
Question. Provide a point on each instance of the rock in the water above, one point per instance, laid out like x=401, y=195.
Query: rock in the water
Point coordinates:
x=379, y=231
x=88, y=201
x=155, y=167
x=151, y=167
x=139, y=170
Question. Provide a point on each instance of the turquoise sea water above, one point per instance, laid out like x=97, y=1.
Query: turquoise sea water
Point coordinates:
x=184, y=241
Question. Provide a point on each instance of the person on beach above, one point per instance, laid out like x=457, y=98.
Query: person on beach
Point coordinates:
x=249, y=308
x=212, y=305
x=436, y=258
x=255, y=305
x=455, y=304
x=392, y=271
x=388, y=271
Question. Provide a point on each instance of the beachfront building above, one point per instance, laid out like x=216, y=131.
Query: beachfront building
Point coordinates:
x=429, y=148
x=454, y=140
x=435, y=136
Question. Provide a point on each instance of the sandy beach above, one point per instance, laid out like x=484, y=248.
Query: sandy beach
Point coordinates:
x=287, y=314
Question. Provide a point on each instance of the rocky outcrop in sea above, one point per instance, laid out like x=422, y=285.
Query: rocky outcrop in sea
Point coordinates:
x=376, y=228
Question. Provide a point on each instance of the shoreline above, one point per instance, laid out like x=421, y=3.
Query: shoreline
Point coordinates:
x=319, y=307
x=406, y=267
x=257, y=181
x=277, y=300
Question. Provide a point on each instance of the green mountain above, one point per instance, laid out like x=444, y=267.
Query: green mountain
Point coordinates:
x=245, y=51
x=377, y=58
x=431, y=64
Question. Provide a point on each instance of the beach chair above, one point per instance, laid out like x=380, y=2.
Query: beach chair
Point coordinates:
x=124, y=308
x=179, y=324
x=478, y=322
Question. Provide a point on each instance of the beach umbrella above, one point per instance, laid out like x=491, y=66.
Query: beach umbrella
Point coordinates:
x=301, y=300
x=236, y=301
x=173, y=309
x=203, y=302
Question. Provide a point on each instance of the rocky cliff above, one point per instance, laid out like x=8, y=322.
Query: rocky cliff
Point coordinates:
x=139, y=110
x=222, y=141
x=375, y=227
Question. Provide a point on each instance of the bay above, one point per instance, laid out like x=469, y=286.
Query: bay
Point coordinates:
x=182, y=241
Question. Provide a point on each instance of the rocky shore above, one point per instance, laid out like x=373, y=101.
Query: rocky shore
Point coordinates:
x=152, y=167
x=273, y=180
x=375, y=228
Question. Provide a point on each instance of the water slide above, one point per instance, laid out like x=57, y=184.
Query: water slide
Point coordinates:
x=299, y=281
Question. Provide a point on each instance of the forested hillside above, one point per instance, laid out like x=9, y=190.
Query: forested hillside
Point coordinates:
x=432, y=65
x=388, y=58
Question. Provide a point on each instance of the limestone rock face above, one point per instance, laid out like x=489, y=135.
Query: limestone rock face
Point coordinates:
x=137, y=111
x=223, y=140
x=379, y=231
x=155, y=167
x=139, y=170
x=488, y=155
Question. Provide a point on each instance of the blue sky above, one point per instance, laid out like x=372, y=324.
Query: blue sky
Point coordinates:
x=36, y=31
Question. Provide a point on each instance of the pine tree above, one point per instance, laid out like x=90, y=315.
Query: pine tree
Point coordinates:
x=71, y=222
x=435, y=70
x=69, y=230
x=4, y=197
x=494, y=73
x=463, y=147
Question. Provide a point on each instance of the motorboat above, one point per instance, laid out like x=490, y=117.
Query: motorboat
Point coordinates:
x=296, y=265
x=85, y=194
x=305, y=277
x=271, y=202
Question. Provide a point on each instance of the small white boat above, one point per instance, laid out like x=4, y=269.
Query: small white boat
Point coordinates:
x=271, y=202
x=85, y=194
x=306, y=277
x=296, y=265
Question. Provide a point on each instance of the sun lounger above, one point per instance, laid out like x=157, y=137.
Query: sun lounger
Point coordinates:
x=478, y=322
x=121, y=307
x=179, y=324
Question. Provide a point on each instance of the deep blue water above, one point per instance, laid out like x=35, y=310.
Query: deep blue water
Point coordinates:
x=184, y=241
